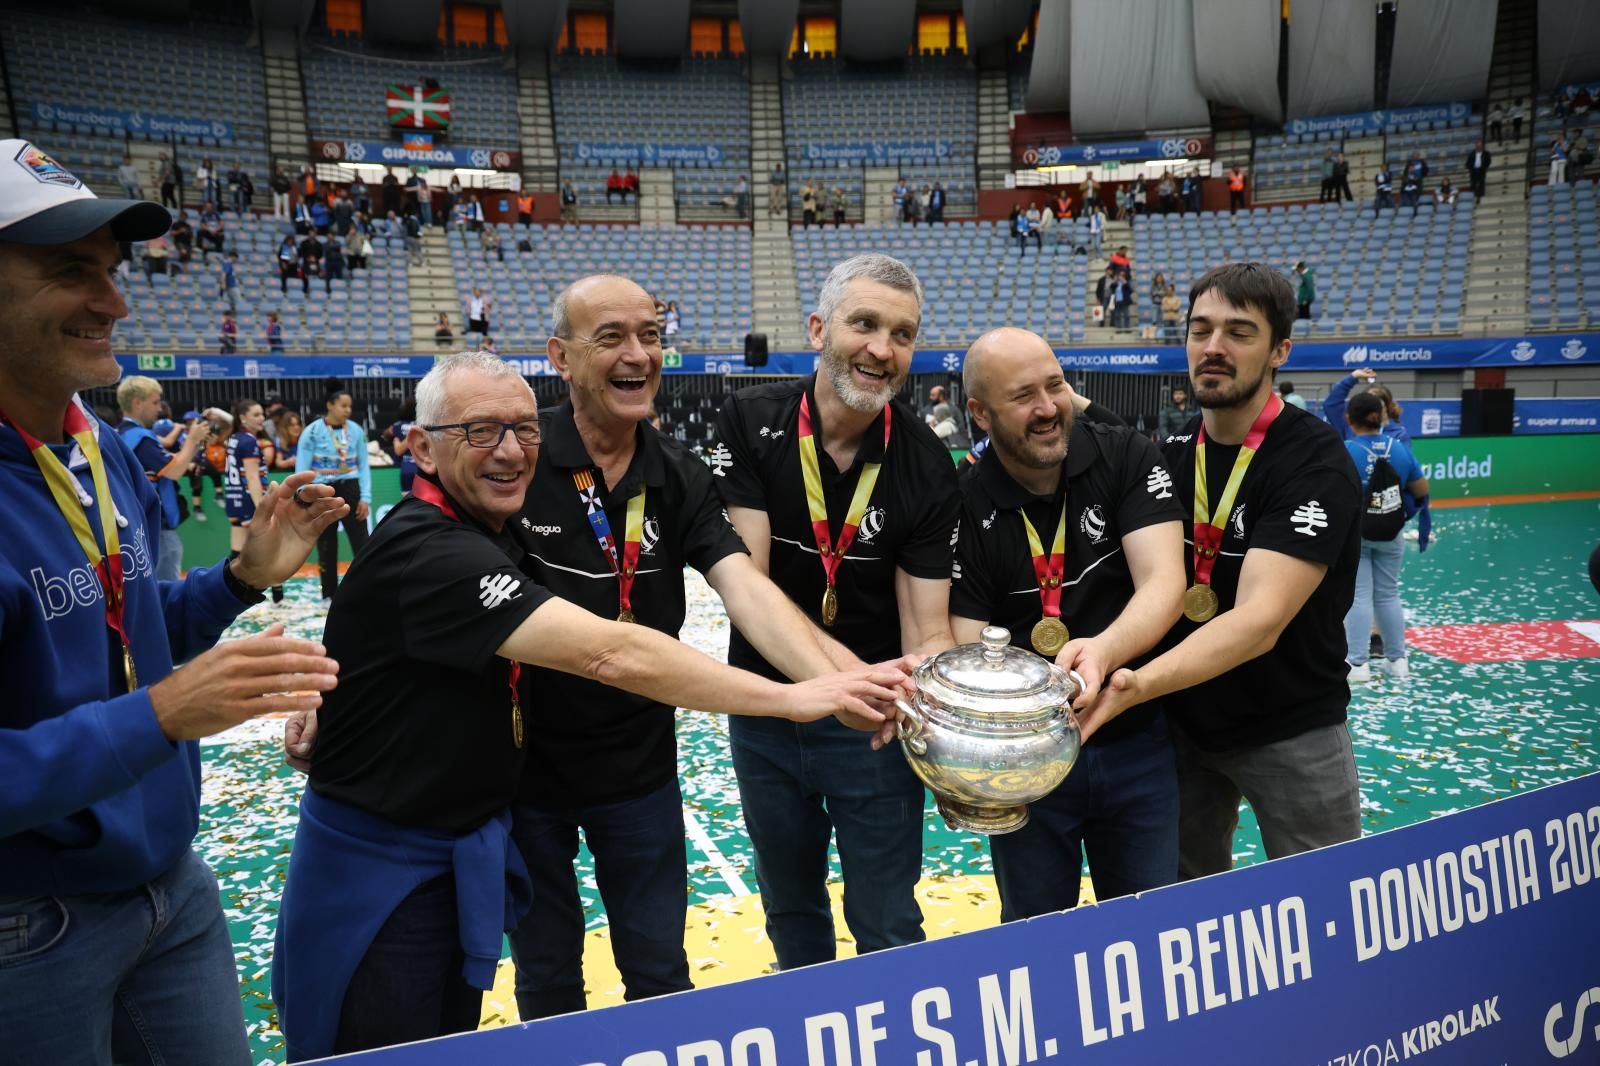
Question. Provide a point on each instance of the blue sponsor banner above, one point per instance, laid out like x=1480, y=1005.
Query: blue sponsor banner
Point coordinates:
x=1363, y=122
x=867, y=153
x=1051, y=155
x=1470, y=938
x=397, y=153
x=110, y=120
x=1530, y=416
x=648, y=153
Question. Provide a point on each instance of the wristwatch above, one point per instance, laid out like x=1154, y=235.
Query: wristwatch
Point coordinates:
x=245, y=593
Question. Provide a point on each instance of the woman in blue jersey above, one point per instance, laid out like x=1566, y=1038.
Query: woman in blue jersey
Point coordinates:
x=335, y=449
x=244, y=479
x=1385, y=465
x=1333, y=406
x=402, y=450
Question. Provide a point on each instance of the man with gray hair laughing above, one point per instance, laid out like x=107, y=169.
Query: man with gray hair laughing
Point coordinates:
x=848, y=500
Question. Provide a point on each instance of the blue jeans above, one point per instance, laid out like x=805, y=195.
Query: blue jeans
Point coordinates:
x=1377, y=590
x=408, y=986
x=169, y=556
x=642, y=873
x=143, y=976
x=799, y=785
x=1120, y=805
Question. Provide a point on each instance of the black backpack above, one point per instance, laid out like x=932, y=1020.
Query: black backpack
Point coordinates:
x=1385, y=514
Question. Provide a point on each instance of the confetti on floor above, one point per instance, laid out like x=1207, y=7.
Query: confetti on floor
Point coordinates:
x=1464, y=729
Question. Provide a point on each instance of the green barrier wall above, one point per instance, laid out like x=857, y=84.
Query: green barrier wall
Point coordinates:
x=1463, y=467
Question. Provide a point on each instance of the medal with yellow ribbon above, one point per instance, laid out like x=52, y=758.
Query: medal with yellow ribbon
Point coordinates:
x=832, y=551
x=1049, y=634
x=1200, y=600
x=624, y=564
x=73, y=504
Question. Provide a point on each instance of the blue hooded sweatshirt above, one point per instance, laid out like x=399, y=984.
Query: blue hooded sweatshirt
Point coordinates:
x=97, y=799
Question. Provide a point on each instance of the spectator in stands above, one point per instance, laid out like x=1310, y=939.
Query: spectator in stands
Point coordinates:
x=525, y=208
x=280, y=185
x=228, y=280
x=1496, y=121
x=1102, y=293
x=307, y=185
x=128, y=178
x=391, y=193
x=412, y=226
x=1121, y=302
x=240, y=187
x=310, y=260
x=492, y=244
x=1558, y=158
x=1445, y=194
x=1089, y=193
x=478, y=306
x=1171, y=315
x=1193, y=185
x=1158, y=290
x=182, y=236
x=1235, y=189
x=288, y=263
x=1011, y=221
x=333, y=263
x=1306, y=289
x=569, y=201
x=1582, y=101
x=443, y=335
x=1047, y=225
x=1132, y=199
x=359, y=197
x=321, y=217
x=1326, y=193
x=1382, y=544
x=156, y=251
x=741, y=197
x=474, y=213
x=808, y=204
x=1341, y=178
x=1294, y=399
x=1579, y=154
x=1121, y=261
x=898, y=197
x=630, y=185
x=1478, y=161
x=1562, y=104
x=303, y=222
x=209, y=182
x=1411, y=188
x=1384, y=182
x=452, y=197
x=1167, y=193
x=936, y=203
x=1176, y=416
x=917, y=204
x=210, y=238
x=344, y=214
x=274, y=332
x=356, y=249
x=1517, y=113
x=672, y=322
x=1025, y=229
x=1063, y=205
x=614, y=187
x=777, y=191
x=1097, y=228
x=489, y=346
x=419, y=196
x=170, y=178
x=230, y=333
x=839, y=202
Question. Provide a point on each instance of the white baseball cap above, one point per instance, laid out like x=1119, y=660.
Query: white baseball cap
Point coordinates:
x=42, y=202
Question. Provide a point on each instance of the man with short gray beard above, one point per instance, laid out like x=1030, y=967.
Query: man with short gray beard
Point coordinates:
x=848, y=501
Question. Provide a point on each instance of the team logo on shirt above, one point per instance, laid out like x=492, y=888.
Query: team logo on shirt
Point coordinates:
x=871, y=524
x=649, y=535
x=1238, y=521
x=1092, y=523
x=955, y=536
x=721, y=459
x=768, y=431
x=988, y=523
x=1159, y=483
x=1308, y=518
x=495, y=589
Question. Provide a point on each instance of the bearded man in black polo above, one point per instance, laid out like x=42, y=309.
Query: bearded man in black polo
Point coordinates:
x=1072, y=539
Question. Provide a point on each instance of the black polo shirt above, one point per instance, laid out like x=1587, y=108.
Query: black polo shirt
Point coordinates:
x=909, y=523
x=419, y=729
x=1300, y=497
x=593, y=743
x=1115, y=484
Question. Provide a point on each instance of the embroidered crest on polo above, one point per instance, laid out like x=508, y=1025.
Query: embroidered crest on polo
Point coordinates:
x=495, y=589
x=1093, y=523
x=1238, y=521
x=650, y=535
x=721, y=459
x=1159, y=483
x=1308, y=518
x=988, y=523
x=872, y=523
x=44, y=169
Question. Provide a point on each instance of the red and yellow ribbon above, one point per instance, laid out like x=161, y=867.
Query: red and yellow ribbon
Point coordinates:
x=1208, y=533
x=832, y=551
x=1049, y=569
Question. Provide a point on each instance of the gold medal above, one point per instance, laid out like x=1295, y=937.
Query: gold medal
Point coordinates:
x=1199, y=603
x=127, y=668
x=830, y=606
x=516, y=722
x=626, y=616
x=1049, y=636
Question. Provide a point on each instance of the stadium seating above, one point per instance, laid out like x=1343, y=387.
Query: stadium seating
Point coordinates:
x=368, y=310
x=1393, y=274
x=697, y=101
x=705, y=270
x=1292, y=159
x=971, y=273
x=1563, y=253
x=199, y=70
x=345, y=79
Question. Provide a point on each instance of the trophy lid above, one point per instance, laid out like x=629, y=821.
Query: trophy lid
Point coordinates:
x=994, y=679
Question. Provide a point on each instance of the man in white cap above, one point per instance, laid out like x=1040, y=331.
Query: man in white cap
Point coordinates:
x=113, y=945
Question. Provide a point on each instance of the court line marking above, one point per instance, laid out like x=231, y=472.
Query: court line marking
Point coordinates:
x=719, y=862
x=1587, y=629
x=1530, y=497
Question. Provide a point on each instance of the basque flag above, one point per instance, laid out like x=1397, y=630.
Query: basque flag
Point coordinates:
x=415, y=108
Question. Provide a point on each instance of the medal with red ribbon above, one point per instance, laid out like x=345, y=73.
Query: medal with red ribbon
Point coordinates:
x=1200, y=601
x=832, y=552
x=73, y=503
x=1049, y=634
x=431, y=494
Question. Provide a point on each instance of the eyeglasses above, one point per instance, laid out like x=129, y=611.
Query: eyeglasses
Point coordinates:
x=490, y=434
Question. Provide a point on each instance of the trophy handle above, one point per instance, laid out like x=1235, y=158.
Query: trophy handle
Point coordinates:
x=1078, y=684
x=910, y=726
